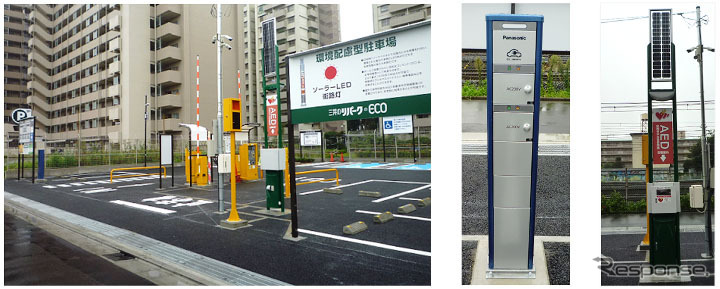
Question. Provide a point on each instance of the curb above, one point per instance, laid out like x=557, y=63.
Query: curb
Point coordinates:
x=141, y=247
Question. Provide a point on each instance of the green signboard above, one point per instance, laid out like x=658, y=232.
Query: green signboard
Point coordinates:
x=384, y=74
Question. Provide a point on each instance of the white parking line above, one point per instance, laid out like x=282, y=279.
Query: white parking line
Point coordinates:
x=135, y=185
x=158, y=198
x=401, y=194
x=374, y=244
x=342, y=186
x=63, y=186
x=409, y=199
x=143, y=207
x=396, y=216
x=49, y=187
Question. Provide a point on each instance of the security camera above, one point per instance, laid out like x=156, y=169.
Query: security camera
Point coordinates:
x=213, y=41
x=690, y=49
x=227, y=37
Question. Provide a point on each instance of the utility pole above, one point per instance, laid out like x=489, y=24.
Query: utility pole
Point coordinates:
x=703, y=142
x=145, y=134
x=218, y=40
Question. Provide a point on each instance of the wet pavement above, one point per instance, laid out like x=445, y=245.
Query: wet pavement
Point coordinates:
x=36, y=257
x=186, y=218
x=554, y=116
x=623, y=248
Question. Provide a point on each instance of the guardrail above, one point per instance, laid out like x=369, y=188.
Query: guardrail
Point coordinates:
x=336, y=179
x=164, y=173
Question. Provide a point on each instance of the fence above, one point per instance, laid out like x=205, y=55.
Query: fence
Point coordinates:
x=97, y=155
x=630, y=183
x=368, y=146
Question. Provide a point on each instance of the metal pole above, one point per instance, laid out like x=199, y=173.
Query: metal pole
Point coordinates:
x=291, y=159
x=703, y=143
x=145, y=134
x=383, y=141
x=626, y=185
x=18, y=162
x=189, y=164
x=160, y=175
x=33, y=153
x=172, y=162
x=219, y=96
x=277, y=91
x=412, y=139
x=374, y=145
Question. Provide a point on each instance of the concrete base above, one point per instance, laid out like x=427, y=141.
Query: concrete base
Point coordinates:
x=510, y=274
x=225, y=224
x=642, y=247
x=288, y=235
x=479, y=276
x=273, y=212
x=672, y=277
x=41, y=180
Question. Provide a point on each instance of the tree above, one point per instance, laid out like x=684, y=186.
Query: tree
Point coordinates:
x=694, y=160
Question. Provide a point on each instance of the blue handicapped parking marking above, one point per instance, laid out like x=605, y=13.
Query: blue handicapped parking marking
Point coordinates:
x=423, y=167
x=361, y=166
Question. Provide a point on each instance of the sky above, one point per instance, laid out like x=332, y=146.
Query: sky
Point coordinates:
x=356, y=20
x=623, y=67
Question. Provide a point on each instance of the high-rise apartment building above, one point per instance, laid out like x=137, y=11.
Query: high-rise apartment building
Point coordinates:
x=389, y=16
x=299, y=27
x=17, y=23
x=91, y=67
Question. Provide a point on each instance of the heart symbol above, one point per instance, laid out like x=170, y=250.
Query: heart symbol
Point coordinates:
x=658, y=115
x=271, y=100
x=660, y=200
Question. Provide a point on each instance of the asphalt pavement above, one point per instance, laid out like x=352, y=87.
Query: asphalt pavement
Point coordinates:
x=394, y=253
x=623, y=248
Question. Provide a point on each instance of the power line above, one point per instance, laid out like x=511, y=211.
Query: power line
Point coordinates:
x=620, y=19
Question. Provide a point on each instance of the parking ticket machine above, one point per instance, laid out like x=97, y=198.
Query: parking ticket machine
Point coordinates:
x=514, y=54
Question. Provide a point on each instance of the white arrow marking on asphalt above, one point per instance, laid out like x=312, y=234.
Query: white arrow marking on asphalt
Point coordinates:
x=158, y=198
x=143, y=207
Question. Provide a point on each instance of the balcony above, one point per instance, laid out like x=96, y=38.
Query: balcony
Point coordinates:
x=170, y=124
x=37, y=30
x=170, y=101
x=114, y=112
x=115, y=45
x=169, y=11
x=44, y=8
x=169, y=77
x=169, y=31
x=169, y=54
x=44, y=20
x=38, y=101
x=37, y=72
x=114, y=68
x=39, y=88
x=39, y=59
x=114, y=90
x=114, y=20
x=37, y=43
x=407, y=18
x=392, y=8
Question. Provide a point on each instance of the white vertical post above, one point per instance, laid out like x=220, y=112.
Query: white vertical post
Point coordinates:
x=197, y=111
x=220, y=138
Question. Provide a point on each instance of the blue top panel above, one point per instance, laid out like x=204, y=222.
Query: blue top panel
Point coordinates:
x=515, y=17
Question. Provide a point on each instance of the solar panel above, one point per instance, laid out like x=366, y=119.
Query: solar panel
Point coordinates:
x=660, y=42
x=269, y=42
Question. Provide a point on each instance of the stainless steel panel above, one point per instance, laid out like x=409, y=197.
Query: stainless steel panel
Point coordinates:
x=512, y=158
x=511, y=191
x=514, y=47
x=511, y=238
x=511, y=126
x=510, y=88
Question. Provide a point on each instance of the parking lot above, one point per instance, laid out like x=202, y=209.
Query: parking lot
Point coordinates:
x=394, y=253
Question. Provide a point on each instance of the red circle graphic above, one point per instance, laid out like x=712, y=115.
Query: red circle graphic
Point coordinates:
x=330, y=72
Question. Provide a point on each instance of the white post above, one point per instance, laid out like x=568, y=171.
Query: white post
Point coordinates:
x=219, y=133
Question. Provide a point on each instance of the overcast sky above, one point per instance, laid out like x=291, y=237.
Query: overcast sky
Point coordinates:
x=624, y=66
x=356, y=20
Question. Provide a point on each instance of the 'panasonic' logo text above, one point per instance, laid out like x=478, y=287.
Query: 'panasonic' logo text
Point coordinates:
x=505, y=37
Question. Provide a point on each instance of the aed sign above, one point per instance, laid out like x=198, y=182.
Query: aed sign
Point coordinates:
x=662, y=130
x=20, y=114
x=273, y=118
x=398, y=124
